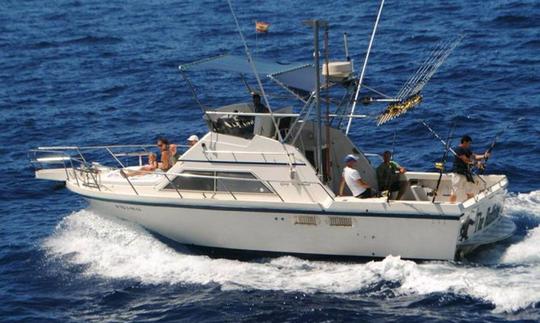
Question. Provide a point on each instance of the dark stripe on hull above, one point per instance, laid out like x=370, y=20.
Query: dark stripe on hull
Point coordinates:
x=268, y=210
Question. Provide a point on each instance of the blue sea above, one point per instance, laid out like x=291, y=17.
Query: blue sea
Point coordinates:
x=106, y=72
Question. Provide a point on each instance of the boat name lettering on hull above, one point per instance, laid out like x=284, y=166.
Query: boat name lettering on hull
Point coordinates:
x=127, y=208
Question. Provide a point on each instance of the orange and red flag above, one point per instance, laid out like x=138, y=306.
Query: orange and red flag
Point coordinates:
x=261, y=26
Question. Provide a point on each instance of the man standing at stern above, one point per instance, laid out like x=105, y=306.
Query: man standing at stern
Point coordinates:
x=462, y=177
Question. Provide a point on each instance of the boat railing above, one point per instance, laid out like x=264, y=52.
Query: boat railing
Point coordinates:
x=44, y=157
x=263, y=154
x=87, y=173
x=52, y=153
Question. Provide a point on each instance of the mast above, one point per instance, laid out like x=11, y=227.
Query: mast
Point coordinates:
x=316, y=24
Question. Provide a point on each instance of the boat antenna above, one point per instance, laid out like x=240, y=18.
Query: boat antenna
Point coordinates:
x=441, y=165
x=327, y=98
x=360, y=80
x=346, y=45
x=254, y=69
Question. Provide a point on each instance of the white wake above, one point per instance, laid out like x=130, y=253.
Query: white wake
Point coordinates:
x=115, y=249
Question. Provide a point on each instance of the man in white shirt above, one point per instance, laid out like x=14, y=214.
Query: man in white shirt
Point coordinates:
x=359, y=188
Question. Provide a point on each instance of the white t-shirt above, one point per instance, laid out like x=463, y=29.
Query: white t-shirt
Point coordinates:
x=351, y=177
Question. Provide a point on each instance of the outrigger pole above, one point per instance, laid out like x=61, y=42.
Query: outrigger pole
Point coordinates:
x=360, y=80
x=193, y=92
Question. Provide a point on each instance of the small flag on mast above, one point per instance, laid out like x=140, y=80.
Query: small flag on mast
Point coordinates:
x=261, y=26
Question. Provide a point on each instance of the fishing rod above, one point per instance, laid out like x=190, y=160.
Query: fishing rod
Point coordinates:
x=389, y=173
x=440, y=165
x=250, y=90
x=446, y=145
x=439, y=137
x=482, y=167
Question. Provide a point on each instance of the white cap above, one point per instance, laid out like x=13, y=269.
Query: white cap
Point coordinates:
x=193, y=138
x=349, y=158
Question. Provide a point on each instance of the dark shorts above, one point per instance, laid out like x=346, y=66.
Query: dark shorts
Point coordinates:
x=395, y=186
x=367, y=193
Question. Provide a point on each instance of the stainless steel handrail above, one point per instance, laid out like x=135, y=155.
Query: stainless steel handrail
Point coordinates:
x=247, y=152
x=82, y=160
x=99, y=147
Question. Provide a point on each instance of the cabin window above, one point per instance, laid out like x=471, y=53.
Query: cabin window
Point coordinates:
x=234, y=185
x=219, y=184
x=193, y=183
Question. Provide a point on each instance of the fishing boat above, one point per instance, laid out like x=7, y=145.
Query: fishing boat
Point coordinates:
x=265, y=178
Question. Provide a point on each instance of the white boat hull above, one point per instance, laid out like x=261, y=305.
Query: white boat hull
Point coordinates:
x=367, y=236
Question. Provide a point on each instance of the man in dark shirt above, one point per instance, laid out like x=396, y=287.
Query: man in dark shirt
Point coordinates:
x=259, y=106
x=388, y=175
x=462, y=178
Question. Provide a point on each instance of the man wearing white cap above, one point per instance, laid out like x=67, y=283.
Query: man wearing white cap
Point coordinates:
x=359, y=188
x=192, y=140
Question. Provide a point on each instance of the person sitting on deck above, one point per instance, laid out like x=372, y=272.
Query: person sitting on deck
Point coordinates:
x=173, y=148
x=257, y=104
x=192, y=140
x=359, y=188
x=150, y=167
x=165, y=162
x=388, y=174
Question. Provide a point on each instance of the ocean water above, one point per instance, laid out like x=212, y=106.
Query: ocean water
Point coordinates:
x=102, y=72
